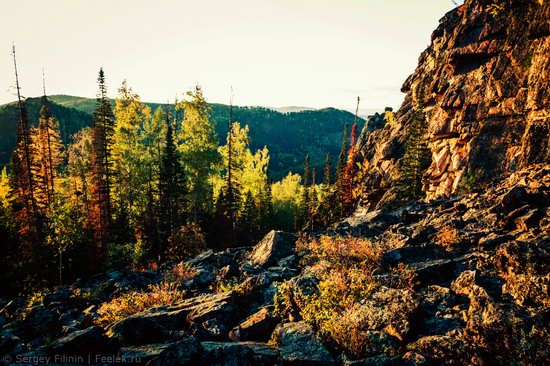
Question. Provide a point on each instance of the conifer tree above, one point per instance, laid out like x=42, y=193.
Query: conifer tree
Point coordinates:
x=102, y=139
x=328, y=170
x=171, y=190
x=305, y=177
x=343, y=154
x=346, y=186
x=416, y=158
x=49, y=155
x=248, y=225
x=231, y=189
x=305, y=202
x=23, y=182
x=266, y=208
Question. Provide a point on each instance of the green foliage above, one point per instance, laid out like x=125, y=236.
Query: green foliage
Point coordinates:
x=198, y=145
x=289, y=136
x=416, y=159
x=471, y=181
x=286, y=201
x=125, y=255
x=129, y=153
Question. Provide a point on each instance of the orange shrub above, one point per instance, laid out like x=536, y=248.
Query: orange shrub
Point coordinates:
x=135, y=302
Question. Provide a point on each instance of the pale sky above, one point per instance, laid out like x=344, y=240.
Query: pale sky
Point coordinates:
x=314, y=53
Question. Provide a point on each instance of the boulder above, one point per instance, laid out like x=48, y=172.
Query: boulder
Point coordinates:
x=275, y=246
x=433, y=272
x=210, y=307
x=257, y=327
x=147, y=327
x=186, y=352
x=237, y=354
x=299, y=345
x=88, y=341
x=413, y=254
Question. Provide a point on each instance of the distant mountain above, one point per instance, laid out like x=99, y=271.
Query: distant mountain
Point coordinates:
x=291, y=109
x=289, y=136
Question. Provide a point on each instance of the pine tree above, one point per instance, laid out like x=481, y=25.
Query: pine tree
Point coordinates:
x=305, y=201
x=346, y=186
x=266, y=208
x=416, y=159
x=49, y=157
x=171, y=190
x=342, y=157
x=23, y=182
x=305, y=177
x=152, y=136
x=248, y=225
x=102, y=139
x=231, y=189
x=328, y=170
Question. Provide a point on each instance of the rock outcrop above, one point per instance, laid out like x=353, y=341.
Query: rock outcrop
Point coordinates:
x=478, y=294
x=483, y=85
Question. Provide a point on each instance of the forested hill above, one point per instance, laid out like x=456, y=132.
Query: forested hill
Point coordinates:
x=288, y=136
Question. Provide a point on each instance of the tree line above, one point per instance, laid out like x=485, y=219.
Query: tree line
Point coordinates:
x=142, y=186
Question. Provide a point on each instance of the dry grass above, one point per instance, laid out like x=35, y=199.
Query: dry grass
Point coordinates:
x=135, y=302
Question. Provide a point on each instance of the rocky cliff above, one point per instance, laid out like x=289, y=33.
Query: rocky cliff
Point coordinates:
x=485, y=95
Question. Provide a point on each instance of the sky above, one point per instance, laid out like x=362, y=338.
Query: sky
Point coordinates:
x=314, y=53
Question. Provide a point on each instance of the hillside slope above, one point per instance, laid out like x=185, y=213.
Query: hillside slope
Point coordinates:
x=484, y=81
x=288, y=136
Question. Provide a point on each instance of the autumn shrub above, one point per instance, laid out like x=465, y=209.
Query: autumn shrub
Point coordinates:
x=223, y=286
x=134, y=302
x=180, y=273
x=188, y=242
x=447, y=237
x=35, y=299
x=340, y=250
x=346, y=281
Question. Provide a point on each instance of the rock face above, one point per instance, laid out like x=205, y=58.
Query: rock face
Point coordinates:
x=484, y=81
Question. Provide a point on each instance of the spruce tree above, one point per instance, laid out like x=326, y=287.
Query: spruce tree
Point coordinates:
x=248, y=225
x=305, y=201
x=342, y=156
x=23, y=182
x=171, y=190
x=267, y=214
x=346, y=184
x=49, y=149
x=416, y=159
x=102, y=138
x=328, y=170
